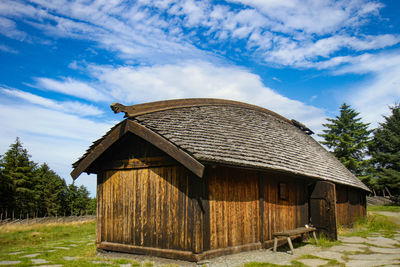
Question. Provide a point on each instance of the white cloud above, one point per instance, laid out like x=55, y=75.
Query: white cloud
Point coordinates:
x=285, y=32
x=373, y=96
x=313, y=17
x=200, y=79
x=65, y=106
x=9, y=29
x=303, y=54
x=8, y=49
x=72, y=87
x=133, y=30
x=188, y=79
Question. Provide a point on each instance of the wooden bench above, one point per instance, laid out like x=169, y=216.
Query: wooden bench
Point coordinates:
x=291, y=233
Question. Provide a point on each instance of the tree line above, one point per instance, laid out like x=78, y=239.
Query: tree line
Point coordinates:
x=373, y=155
x=28, y=189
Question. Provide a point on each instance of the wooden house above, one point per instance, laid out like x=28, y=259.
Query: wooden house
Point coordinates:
x=197, y=178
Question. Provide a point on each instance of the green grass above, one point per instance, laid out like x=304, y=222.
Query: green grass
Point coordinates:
x=294, y=263
x=331, y=262
x=264, y=264
x=392, y=208
x=79, y=237
x=324, y=242
x=260, y=264
x=373, y=223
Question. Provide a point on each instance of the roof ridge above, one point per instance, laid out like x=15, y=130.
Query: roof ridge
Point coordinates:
x=151, y=107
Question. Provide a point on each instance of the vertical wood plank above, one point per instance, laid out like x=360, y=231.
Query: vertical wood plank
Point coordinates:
x=99, y=199
x=206, y=201
x=196, y=187
x=261, y=206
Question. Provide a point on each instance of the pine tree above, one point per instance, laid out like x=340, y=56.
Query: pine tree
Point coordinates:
x=17, y=173
x=385, y=151
x=48, y=189
x=6, y=193
x=348, y=138
x=24, y=188
x=78, y=200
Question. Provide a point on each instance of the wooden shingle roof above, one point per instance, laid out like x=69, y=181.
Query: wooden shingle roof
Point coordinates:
x=237, y=134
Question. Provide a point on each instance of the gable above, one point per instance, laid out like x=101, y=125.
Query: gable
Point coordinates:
x=86, y=163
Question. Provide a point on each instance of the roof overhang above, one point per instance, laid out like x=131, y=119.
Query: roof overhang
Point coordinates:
x=150, y=136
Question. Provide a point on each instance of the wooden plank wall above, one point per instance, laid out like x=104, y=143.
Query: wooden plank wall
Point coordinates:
x=283, y=214
x=354, y=204
x=149, y=207
x=342, y=206
x=233, y=207
x=350, y=205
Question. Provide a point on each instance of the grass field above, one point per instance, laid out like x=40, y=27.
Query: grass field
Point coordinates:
x=68, y=244
x=392, y=208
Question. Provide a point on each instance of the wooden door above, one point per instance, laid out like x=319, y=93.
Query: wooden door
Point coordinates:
x=323, y=208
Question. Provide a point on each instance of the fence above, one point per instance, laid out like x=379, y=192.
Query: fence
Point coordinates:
x=52, y=219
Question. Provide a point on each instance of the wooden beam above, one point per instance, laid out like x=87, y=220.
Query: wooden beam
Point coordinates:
x=153, y=138
x=163, y=144
x=138, y=163
x=110, y=139
x=178, y=254
x=159, y=252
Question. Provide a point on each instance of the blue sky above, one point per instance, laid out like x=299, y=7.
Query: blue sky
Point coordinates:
x=62, y=63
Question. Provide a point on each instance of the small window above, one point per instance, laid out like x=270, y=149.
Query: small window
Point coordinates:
x=283, y=192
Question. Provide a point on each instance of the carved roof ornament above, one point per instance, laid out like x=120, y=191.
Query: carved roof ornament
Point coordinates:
x=117, y=108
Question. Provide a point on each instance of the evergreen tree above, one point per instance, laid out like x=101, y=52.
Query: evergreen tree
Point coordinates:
x=6, y=193
x=385, y=151
x=24, y=188
x=78, y=200
x=92, y=206
x=348, y=138
x=48, y=189
x=17, y=174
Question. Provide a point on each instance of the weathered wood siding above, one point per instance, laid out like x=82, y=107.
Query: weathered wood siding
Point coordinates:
x=238, y=212
x=283, y=214
x=233, y=207
x=147, y=207
x=350, y=205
